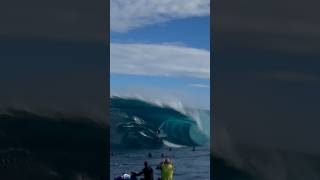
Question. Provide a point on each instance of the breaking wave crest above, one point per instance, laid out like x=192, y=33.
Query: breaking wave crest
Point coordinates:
x=137, y=123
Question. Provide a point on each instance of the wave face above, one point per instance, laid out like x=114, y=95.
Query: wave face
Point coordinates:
x=137, y=123
x=231, y=160
x=260, y=163
x=51, y=147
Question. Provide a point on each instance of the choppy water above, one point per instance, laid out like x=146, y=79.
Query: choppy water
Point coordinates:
x=188, y=164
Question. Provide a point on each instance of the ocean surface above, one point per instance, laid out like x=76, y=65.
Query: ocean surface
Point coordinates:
x=188, y=164
x=50, y=147
x=139, y=127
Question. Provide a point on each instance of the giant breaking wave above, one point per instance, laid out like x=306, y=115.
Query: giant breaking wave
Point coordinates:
x=137, y=123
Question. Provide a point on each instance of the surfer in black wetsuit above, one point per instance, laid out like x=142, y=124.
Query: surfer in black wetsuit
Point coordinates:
x=158, y=134
x=147, y=172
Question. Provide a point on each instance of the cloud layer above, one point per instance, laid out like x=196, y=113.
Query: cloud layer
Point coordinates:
x=200, y=85
x=159, y=60
x=130, y=14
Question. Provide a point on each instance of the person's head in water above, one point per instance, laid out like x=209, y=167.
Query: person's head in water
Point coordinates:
x=149, y=155
x=167, y=161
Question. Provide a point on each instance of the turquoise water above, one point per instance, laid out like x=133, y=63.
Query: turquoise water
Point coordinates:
x=137, y=124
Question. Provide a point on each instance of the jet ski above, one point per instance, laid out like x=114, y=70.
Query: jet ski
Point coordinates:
x=125, y=176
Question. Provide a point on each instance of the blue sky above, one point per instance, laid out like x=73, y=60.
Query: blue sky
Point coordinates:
x=161, y=51
x=193, y=32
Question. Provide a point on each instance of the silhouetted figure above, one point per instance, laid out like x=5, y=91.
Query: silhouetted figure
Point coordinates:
x=147, y=172
x=149, y=155
x=193, y=148
x=170, y=149
x=162, y=155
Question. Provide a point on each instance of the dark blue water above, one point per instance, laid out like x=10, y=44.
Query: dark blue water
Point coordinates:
x=262, y=163
x=139, y=127
x=41, y=147
x=188, y=164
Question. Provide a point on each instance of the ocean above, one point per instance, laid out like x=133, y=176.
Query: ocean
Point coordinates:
x=188, y=164
x=50, y=147
x=139, y=127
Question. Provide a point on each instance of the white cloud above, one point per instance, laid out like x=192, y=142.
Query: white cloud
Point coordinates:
x=159, y=60
x=130, y=14
x=200, y=85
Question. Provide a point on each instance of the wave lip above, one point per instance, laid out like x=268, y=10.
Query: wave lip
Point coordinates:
x=137, y=123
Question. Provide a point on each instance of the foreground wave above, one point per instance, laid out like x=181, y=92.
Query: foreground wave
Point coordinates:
x=137, y=123
x=51, y=147
x=261, y=163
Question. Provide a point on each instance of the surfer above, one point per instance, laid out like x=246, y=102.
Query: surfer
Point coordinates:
x=149, y=155
x=158, y=135
x=147, y=171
